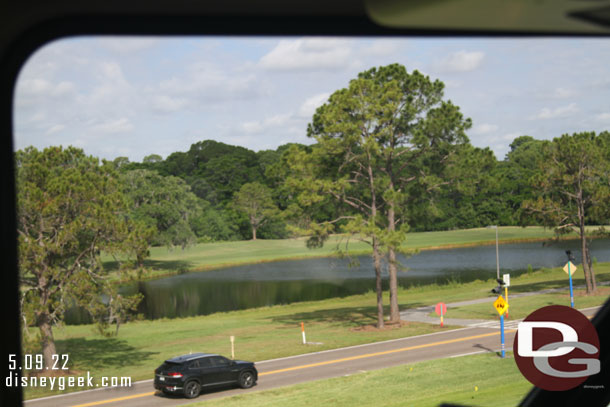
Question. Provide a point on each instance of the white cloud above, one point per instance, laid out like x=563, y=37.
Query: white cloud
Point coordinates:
x=127, y=45
x=562, y=111
x=461, y=61
x=562, y=93
x=511, y=136
x=167, y=104
x=204, y=83
x=36, y=91
x=55, y=129
x=484, y=128
x=257, y=126
x=310, y=105
x=308, y=54
x=603, y=117
x=382, y=48
x=121, y=125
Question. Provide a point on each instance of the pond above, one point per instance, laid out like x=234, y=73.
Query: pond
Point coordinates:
x=284, y=282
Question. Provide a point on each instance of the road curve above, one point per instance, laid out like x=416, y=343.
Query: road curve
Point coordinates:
x=313, y=366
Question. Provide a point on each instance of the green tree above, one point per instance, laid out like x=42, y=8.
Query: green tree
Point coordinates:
x=513, y=178
x=70, y=208
x=391, y=132
x=152, y=159
x=214, y=170
x=121, y=162
x=466, y=198
x=165, y=203
x=573, y=184
x=254, y=200
x=213, y=224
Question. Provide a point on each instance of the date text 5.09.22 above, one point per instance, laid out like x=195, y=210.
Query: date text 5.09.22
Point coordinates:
x=36, y=362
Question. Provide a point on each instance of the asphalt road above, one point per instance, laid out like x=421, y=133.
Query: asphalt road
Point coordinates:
x=308, y=367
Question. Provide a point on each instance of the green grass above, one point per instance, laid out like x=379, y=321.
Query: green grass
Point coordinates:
x=498, y=383
x=521, y=307
x=270, y=332
x=208, y=256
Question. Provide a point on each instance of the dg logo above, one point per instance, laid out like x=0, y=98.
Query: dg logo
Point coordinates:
x=557, y=348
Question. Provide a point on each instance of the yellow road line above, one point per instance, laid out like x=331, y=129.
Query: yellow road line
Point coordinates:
x=368, y=355
x=97, y=403
x=328, y=362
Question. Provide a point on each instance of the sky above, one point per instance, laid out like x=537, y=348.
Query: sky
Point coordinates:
x=136, y=96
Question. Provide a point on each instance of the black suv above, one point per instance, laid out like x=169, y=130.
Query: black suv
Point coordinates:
x=188, y=374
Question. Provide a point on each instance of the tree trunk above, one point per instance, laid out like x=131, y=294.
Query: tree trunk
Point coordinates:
x=590, y=264
x=394, y=311
x=378, y=286
x=585, y=264
x=584, y=249
x=46, y=334
x=253, y=233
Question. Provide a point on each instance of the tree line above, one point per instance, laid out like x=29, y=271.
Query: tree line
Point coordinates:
x=389, y=155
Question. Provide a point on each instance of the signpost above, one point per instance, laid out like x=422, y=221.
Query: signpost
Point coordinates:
x=570, y=269
x=501, y=306
x=441, y=309
x=506, y=279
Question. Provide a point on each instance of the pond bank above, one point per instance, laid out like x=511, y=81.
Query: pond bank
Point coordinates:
x=221, y=255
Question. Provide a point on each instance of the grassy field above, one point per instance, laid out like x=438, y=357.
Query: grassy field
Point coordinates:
x=519, y=308
x=269, y=332
x=464, y=380
x=208, y=256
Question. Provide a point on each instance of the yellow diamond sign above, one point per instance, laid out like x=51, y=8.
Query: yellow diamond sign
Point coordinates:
x=501, y=305
x=569, y=268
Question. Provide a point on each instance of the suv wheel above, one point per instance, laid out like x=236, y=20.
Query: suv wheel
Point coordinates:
x=191, y=389
x=246, y=380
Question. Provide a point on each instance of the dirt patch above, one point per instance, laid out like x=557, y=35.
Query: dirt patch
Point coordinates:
x=388, y=326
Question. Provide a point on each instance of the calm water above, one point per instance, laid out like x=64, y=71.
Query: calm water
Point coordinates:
x=314, y=279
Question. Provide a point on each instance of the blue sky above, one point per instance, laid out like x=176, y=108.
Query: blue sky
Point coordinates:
x=126, y=96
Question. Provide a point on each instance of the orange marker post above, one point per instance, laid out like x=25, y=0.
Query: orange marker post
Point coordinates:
x=441, y=309
x=303, y=332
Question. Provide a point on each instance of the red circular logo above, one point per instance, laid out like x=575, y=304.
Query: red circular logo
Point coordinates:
x=557, y=348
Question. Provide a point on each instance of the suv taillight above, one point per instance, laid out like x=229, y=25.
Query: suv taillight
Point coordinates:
x=174, y=374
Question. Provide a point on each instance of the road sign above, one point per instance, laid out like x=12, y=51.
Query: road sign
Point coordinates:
x=569, y=268
x=441, y=308
x=506, y=278
x=501, y=305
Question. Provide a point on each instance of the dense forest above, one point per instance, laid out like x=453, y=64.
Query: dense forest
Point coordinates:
x=192, y=195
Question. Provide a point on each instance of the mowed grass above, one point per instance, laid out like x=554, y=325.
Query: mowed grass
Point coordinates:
x=208, y=256
x=521, y=307
x=267, y=333
x=475, y=380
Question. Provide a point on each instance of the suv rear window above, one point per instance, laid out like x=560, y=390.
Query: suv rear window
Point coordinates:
x=169, y=365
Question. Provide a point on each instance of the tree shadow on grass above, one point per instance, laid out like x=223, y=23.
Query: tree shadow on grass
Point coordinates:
x=348, y=316
x=545, y=285
x=101, y=353
x=173, y=266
